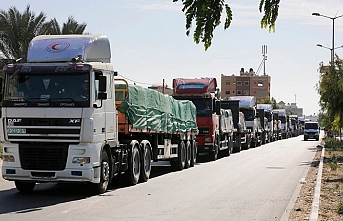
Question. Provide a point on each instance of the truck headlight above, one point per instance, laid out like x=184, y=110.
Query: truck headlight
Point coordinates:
x=81, y=160
x=8, y=158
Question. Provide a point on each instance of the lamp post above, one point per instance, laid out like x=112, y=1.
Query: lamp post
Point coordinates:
x=331, y=49
x=333, y=33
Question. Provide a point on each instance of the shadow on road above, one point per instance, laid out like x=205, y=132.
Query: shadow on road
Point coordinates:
x=48, y=194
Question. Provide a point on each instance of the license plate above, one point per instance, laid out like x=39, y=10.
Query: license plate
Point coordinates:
x=16, y=130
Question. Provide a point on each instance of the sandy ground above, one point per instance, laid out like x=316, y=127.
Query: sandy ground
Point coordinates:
x=331, y=192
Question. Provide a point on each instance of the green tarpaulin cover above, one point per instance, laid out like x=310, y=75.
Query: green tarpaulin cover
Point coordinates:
x=149, y=109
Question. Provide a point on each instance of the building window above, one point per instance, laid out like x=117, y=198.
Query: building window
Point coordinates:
x=239, y=83
x=260, y=84
x=246, y=83
x=227, y=92
x=233, y=82
x=239, y=92
x=260, y=93
x=233, y=92
x=246, y=92
x=227, y=82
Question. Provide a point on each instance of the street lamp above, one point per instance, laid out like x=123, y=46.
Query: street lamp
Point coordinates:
x=331, y=49
x=333, y=33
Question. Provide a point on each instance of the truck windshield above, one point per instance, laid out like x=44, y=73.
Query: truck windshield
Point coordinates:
x=311, y=126
x=282, y=119
x=268, y=115
x=248, y=114
x=203, y=106
x=47, y=89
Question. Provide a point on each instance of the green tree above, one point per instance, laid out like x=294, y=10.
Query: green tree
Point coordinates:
x=71, y=26
x=330, y=89
x=17, y=29
x=268, y=100
x=206, y=15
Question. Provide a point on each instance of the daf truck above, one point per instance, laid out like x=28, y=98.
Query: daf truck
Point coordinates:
x=65, y=119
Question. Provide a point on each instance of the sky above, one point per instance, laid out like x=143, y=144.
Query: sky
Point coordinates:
x=149, y=43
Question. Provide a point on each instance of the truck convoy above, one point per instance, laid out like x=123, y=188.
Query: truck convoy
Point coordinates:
x=214, y=134
x=61, y=124
x=247, y=105
x=67, y=118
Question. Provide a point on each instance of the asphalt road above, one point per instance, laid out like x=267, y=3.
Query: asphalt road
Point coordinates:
x=256, y=184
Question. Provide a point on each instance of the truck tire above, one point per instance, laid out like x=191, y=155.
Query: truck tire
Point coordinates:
x=180, y=161
x=230, y=146
x=24, y=187
x=188, y=155
x=227, y=151
x=238, y=144
x=194, y=148
x=263, y=138
x=133, y=173
x=214, y=154
x=101, y=187
x=145, y=162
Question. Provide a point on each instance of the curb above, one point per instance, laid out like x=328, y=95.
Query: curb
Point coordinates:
x=316, y=198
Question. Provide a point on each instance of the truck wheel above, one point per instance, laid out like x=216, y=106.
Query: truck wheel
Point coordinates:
x=180, y=162
x=188, y=155
x=263, y=138
x=214, y=154
x=194, y=153
x=145, y=162
x=101, y=187
x=226, y=152
x=133, y=173
x=238, y=144
x=230, y=146
x=24, y=187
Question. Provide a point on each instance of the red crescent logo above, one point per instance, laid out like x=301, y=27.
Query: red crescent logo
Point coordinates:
x=57, y=47
x=53, y=47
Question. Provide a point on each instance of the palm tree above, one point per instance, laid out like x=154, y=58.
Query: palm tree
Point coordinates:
x=17, y=30
x=69, y=27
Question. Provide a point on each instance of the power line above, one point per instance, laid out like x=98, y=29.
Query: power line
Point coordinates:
x=137, y=82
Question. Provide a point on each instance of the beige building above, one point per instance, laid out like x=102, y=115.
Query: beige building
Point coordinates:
x=291, y=108
x=246, y=84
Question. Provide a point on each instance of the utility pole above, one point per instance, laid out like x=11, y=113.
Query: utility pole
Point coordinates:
x=163, y=87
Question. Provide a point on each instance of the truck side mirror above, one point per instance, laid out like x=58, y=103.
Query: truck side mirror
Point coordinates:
x=217, y=107
x=102, y=83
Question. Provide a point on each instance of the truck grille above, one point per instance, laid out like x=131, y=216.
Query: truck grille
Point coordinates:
x=43, y=156
x=43, y=129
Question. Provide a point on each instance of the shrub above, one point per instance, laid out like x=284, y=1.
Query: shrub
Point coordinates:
x=333, y=143
x=340, y=208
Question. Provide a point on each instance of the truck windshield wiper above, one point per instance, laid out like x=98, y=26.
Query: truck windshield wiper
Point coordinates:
x=62, y=98
x=35, y=98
